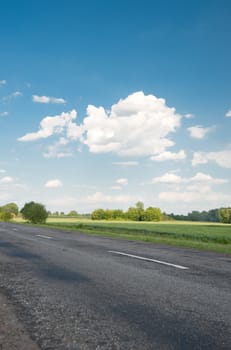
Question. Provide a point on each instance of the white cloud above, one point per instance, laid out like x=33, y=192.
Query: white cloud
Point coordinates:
x=55, y=125
x=2, y=171
x=228, y=114
x=198, y=131
x=53, y=183
x=168, y=178
x=17, y=94
x=58, y=150
x=222, y=158
x=47, y=99
x=192, y=196
x=137, y=125
x=189, y=116
x=6, y=180
x=169, y=156
x=128, y=163
x=199, y=178
x=101, y=198
x=2, y=82
x=4, y=114
x=12, y=96
x=122, y=181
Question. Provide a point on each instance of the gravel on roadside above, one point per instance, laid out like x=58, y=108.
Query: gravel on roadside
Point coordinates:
x=13, y=336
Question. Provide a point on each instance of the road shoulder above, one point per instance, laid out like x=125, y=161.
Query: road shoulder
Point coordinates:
x=12, y=333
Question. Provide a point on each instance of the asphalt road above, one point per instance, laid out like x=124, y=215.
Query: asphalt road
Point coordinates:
x=74, y=291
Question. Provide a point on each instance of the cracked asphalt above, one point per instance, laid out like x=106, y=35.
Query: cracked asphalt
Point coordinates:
x=68, y=291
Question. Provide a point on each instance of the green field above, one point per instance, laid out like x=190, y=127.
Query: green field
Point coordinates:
x=205, y=236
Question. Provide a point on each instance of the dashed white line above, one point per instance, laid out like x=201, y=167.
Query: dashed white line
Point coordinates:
x=42, y=236
x=148, y=259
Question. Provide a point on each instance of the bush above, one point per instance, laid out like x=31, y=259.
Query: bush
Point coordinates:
x=34, y=212
x=6, y=216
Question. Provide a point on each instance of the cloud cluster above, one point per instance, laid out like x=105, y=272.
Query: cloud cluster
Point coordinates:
x=171, y=178
x=228, y=114
x=56, y=125
x=222, y=158
x=47, y=99
x=195, y=196
x=192, y=190
x=138, y=125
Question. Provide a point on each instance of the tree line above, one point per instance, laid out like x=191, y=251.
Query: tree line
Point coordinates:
x=36, y=213
x=137, y=213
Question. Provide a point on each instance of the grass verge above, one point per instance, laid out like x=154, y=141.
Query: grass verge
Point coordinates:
x=203, y=236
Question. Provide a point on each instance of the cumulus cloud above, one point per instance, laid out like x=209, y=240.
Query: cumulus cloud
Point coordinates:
x=222, y=158
x=137, y=125
x=122, y=181
x=198, y=131
x=58, y=124
x=169, y=156
x=228, y=114
x=53, y=183
x=48, y=99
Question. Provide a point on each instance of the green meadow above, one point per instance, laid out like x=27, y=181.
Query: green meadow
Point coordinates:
x=205, y=236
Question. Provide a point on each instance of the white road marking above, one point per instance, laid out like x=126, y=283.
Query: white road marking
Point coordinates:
x=148, y=259
x=47, y=237
x=15, y=229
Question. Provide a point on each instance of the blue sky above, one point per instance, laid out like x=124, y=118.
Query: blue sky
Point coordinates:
x=104, y=103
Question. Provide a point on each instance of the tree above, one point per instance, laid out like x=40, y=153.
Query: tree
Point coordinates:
x=225, y=215
x=6, y=216
x=99, y=214
x=34, y=212
x=10, y=208
x=152, y=214
x=73, y=213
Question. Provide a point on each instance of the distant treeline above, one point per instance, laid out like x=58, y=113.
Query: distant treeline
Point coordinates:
x=136, y=213
x=213, y=215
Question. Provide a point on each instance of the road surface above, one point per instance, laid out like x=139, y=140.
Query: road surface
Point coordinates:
x=76, y=291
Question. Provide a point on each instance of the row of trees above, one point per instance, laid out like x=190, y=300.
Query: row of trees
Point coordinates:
x=37, y=213
x=137, y=213
x=213, y=215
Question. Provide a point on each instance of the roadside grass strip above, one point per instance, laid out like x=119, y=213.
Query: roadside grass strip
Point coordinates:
x=204, y=236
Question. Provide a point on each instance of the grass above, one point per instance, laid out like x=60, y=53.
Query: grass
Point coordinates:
x=205, y=236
